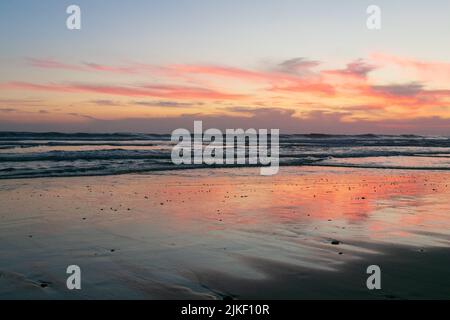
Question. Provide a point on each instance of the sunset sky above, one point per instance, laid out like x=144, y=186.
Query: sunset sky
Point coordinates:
x=154, y=66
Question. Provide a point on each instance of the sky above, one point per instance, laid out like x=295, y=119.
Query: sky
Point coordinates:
x=154, y=66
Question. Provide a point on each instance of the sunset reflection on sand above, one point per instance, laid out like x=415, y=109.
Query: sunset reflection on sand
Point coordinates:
x=211, y=231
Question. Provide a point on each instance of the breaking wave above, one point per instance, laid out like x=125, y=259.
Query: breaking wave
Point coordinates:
x=52, y=154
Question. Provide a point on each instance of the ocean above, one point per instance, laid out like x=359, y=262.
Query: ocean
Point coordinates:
x=28, y=155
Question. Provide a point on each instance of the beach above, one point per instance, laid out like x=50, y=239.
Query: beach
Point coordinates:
x=305, y=233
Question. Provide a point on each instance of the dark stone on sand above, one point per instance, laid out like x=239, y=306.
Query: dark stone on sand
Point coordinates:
x=335, y=242
x=44, y=284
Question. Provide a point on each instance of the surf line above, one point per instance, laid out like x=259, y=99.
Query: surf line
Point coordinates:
x=208, y=147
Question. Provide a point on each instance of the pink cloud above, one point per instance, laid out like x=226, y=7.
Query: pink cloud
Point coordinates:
x=294, y=75
x=218, y=71
x=105, y=68
x=289, y=78
x=427, y=70
x=52, y=64
x=160, y=91
x=279, y=81
x=85, y=67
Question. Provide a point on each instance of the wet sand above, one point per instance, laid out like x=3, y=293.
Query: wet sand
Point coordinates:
x=209, y=234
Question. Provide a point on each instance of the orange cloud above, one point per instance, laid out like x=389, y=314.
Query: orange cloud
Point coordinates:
x=294, y=82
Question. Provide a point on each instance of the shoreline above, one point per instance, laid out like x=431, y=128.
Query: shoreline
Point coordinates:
x=236, y=167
